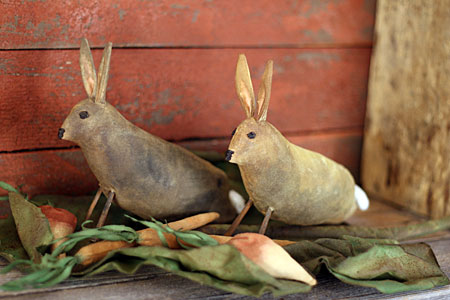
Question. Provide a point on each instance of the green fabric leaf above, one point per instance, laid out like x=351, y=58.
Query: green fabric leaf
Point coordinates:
x=381, y=264
x=8, y=187
x=10, y=245
x=52, y=270
x=108, y=233
x=223, y=267
x=31, y=224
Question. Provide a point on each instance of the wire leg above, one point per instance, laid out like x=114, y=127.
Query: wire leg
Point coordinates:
x=239, y=218
x=93, y=204
x=263, y=228
x=102, y=219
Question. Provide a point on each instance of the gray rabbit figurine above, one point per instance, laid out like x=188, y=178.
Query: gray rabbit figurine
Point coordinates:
x=144, y=174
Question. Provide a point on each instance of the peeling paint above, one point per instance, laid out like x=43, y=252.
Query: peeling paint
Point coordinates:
x=122, y=13
x=319, y=35
x=228, y=104
x=177, y=8
x=195, y=16
x=367, y=32
x=287, y=58
x=317, y=57
x=164, y=96
x=159, y=118
x=130, y=107
x=10, y=27
x=316, y=7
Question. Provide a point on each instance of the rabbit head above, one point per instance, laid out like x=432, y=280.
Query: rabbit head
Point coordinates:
x=254, y=138
x=93, y=115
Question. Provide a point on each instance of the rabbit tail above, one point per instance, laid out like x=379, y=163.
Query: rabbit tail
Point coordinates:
x=237, y=201
x=361, y=198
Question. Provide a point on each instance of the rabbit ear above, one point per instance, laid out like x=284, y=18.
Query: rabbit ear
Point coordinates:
x=103, y=71
x=244, y=86
x=87, y=69
x=264, y=92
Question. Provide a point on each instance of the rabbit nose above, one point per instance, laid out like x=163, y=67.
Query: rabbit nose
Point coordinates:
x=61, y=133
x=228, y=155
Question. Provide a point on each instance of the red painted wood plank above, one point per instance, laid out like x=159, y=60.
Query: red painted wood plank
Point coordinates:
x=60, y=24
x=48, y=172
x=66, y=171
x=181, y=93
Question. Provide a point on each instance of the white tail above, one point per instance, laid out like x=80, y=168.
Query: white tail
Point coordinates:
x=236, y=200
x=361, y=198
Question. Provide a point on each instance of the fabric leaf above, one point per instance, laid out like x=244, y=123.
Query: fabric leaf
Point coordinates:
x=223, y=267
x=32, y=225
x=382, y=264
x=10, y=246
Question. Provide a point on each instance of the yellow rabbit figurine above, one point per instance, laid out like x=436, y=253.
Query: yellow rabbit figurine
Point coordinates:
x=284, y=181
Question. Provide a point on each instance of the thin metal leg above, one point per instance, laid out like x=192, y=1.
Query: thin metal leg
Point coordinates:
x=263, y=228
x=93, y=204
x=102, y=219
x=239, y=218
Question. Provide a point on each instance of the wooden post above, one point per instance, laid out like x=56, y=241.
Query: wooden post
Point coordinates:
x=406, y=153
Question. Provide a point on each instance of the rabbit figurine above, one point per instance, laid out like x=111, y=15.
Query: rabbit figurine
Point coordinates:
x=285, y=182
x=144, y=174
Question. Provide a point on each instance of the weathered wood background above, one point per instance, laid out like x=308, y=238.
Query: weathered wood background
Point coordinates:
x=406, y=157
x=172, y=73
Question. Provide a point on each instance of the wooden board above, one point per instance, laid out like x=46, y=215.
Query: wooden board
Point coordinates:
x=181, y=93
x=154, y=283
x=65, y=171
x=382, y=214
x=175, y=23
x=406, y=155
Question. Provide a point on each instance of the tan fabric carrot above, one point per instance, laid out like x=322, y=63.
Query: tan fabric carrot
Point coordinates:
x=148, y=237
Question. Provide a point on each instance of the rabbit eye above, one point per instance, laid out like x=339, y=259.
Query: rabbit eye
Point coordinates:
x=234, y=131
x=84, y=114
x=251, y=135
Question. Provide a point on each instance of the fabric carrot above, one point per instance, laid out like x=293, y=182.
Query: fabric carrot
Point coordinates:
x=147, y=237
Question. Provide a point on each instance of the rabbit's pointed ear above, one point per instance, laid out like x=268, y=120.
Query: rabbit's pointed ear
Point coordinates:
x=88, y=69
x=244, y=86
x=103, y=71
x=264, y=92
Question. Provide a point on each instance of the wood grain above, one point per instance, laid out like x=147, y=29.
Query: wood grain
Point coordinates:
x=406, y=152
x=181, y=93
x=175, y=23
x=66, y=171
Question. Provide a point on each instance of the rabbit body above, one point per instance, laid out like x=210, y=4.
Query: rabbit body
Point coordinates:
x=149, y=176
x=301, y=187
